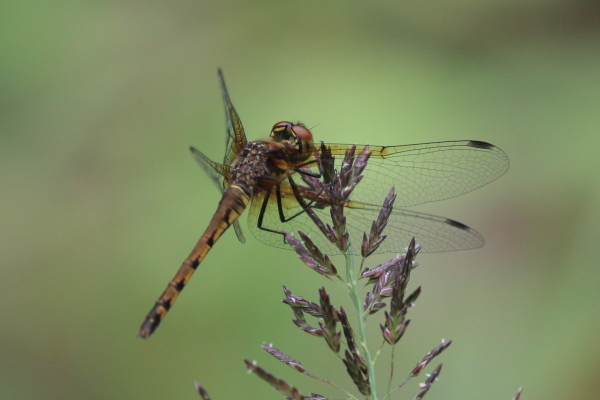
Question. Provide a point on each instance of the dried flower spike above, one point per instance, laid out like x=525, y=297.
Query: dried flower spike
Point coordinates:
x=427, y=384
x=202, y=391
x=348, y=334
x=314, y=396
x=392, y=333
x=518, y=395
x=430, y=356
x=357, y=373
x=284, y=358
x=317, y=255
x=278, y=384
x=307, y=328
x=300, y=306
x=374, y=273
x=330, y=318
x=371, y=243
x=321, y=264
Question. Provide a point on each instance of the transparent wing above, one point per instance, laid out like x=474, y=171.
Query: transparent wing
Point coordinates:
x=420, y=173
x=218, y=174
x=426, y=172
x=433, y=233
x=235, y=138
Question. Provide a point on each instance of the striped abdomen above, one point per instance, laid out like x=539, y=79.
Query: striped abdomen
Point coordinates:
x=232, y=204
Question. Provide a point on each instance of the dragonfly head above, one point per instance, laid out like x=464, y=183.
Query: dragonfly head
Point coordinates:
x=293, y=135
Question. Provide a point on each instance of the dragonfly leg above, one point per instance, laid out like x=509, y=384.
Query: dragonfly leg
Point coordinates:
x=279, y=204
x=280, y=210
x=261, y=215
x=299, y=198
x=307, y=172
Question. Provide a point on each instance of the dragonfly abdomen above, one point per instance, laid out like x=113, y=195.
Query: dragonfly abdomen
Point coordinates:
x=232, y=205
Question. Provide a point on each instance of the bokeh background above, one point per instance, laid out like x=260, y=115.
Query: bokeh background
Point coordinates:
x=100, y=199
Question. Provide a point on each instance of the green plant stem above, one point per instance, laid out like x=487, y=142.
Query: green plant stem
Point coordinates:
x=391, y=372
x=362, y=334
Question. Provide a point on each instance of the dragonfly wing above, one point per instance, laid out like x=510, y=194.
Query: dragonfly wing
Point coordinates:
x=433, y=233
x=218, y=174
x=427, y=172
x=235, y=138
x=238, y=231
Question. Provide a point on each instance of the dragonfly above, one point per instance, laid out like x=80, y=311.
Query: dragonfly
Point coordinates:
x=263, y=176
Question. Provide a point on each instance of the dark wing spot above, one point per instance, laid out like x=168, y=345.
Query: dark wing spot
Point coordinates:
x=384, y=152
x=457, y=224
x=480, y=145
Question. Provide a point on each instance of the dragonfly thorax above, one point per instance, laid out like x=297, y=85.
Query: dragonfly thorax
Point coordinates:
x=254, y=166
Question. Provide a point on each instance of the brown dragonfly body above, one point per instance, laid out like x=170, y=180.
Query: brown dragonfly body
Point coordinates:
x=259, y=167
x=260, y=176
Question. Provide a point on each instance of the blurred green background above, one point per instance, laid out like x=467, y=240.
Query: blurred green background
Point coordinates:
x=101, y=200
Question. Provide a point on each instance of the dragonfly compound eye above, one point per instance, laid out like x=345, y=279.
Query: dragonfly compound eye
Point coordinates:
x=303, y=133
